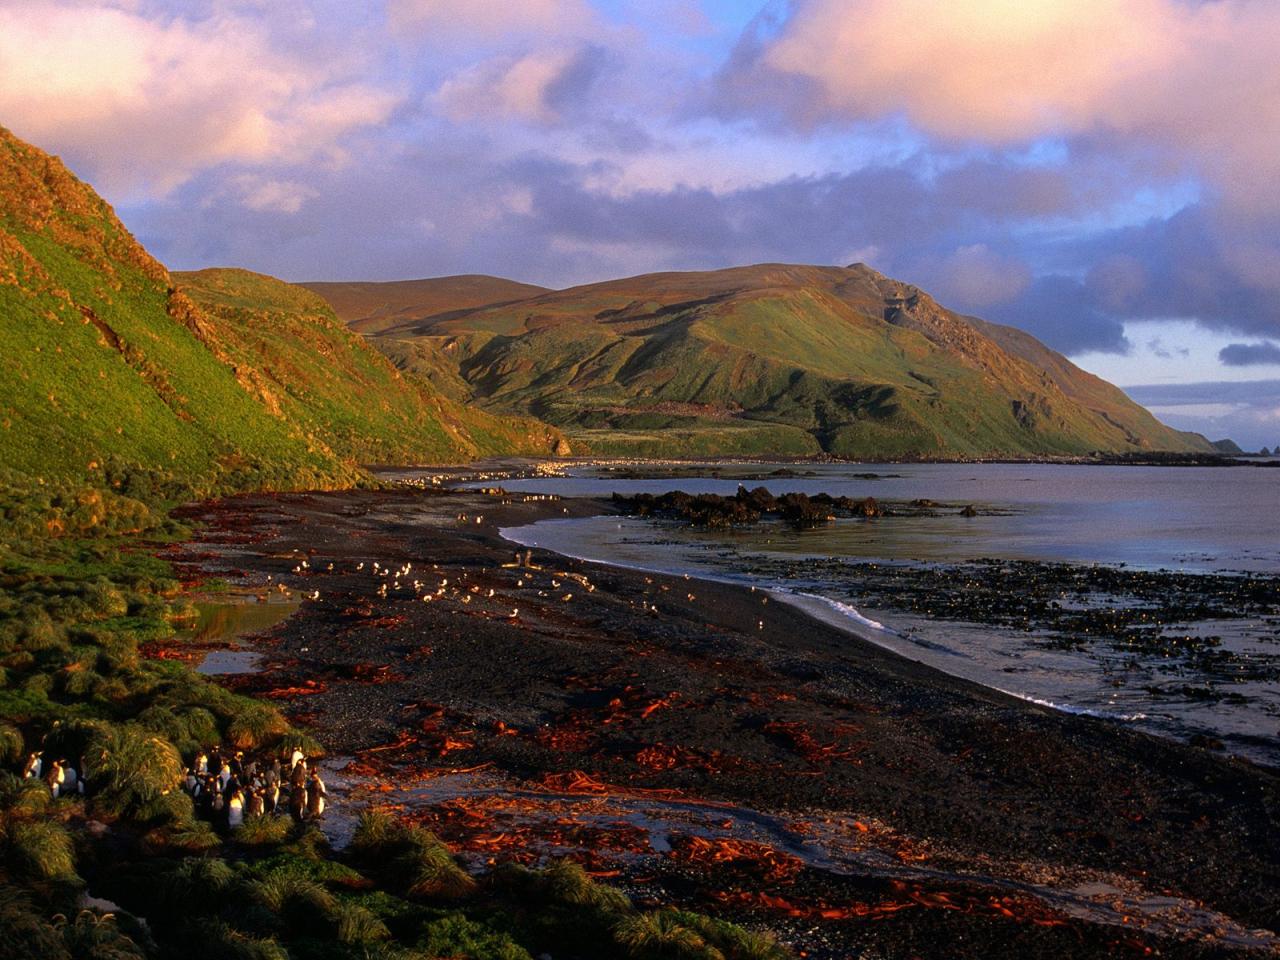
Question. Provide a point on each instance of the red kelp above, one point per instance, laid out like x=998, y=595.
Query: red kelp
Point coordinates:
x=797, y=736
x=758, y=860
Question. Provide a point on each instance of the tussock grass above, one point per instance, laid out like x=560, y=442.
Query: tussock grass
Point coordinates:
x=670, y=934
x=257, y=725
x=356, y=924
x=415, y=859
x=660, y=935
x=128, y=768
x=23, y=797
x=97, y=936
x=567, y=882
x=297, y=740
x=265, y=831
x=194, y=836
x=40, y=849
x=12, y=745
x=218, y=940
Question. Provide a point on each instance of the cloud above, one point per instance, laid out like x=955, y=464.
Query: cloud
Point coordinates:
x=1157, y=348
x=538, y=87
x=141, y=104
x=974, y=277
x=272, y=196
x=1195, y=78
x=1246, y=411
x=1063, y=312
x=1178, y=266
x=1250, y=354
x=489, y=19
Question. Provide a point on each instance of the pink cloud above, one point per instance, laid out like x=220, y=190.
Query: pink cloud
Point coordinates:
x=141, y=105
x=507, y=87
x=975, y=277
x=1200, y=78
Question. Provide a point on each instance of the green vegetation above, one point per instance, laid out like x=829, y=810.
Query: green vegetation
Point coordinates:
x=74, y=609
x=122, y=394
x=307, y=368
x=773, y=360
x=223, y=380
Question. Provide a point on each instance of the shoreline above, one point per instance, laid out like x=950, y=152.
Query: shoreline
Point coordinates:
x=791, y=717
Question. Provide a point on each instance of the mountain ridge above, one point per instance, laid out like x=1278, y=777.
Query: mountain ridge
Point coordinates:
x=791, y=359
x=371, y=307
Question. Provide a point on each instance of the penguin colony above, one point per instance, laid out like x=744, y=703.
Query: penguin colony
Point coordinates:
x=226, y=788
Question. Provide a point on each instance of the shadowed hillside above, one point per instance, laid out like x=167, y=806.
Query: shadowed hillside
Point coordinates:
x=244, y=382
x=772, y=359
x=370, y=308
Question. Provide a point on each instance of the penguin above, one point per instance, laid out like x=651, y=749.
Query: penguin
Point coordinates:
x=208, y=792
x=298, y=802
x=237, y=763
x=55, y=778
x=298, y=776
x=224, y=775
x=271, y=797
x=295, y=757
x=34, y=767
x=70, y=779
x=316, y=794
x=219, y=802
x=235, y=809
x=202, y=764
x=253, y=804
x=191, y=782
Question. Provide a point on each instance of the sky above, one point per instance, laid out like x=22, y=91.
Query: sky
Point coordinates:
x=1101, y=173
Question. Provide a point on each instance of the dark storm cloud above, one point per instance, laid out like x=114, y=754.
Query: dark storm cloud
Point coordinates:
x=1179, y=267
x=1250, y=354
x=1064, y=313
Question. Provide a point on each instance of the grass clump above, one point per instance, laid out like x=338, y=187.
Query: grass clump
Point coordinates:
x=414, y=860
x=265, y=831
x=128, y=769
x=670, y=934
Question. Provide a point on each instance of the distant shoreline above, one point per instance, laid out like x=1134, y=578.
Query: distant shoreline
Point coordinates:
x=1116, y=460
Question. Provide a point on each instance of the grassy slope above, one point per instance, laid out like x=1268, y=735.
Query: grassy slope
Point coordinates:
x=99, y=357
x=310, y=369
x=102, y=357
x=773, y=359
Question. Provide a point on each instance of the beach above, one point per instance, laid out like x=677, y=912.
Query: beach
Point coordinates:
x=702, y=743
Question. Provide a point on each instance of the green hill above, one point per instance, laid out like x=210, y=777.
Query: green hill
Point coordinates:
x=306, y=367
x=771, y=359
x=220, y=378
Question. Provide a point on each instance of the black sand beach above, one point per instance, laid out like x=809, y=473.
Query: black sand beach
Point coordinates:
x=700, y=743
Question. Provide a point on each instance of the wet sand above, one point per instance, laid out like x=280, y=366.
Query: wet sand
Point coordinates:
x=731, y=753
